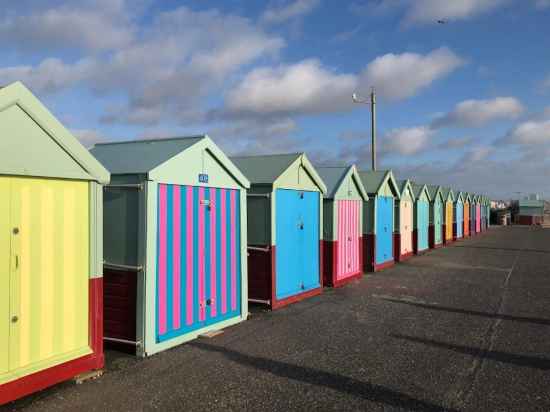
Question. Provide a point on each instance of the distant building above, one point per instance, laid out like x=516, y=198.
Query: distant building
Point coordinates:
x=528, y=211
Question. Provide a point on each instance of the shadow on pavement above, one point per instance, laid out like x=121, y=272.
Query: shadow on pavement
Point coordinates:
x=536, y=321
x=344, y=384
x=519, y=360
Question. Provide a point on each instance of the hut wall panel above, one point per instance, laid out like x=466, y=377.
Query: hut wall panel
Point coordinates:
x=198, y=259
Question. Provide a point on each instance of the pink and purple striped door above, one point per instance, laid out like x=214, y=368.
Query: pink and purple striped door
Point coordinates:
x=198, y=258
x=348, y=238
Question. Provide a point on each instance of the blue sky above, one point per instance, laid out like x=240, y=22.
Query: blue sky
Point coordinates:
x=465, y=103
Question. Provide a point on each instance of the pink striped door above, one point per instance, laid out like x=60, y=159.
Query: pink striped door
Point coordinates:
x=405, y=226
x=199, y=260
x=348, y=223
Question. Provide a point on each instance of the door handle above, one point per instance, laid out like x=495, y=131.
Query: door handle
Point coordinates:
x=16, y=262
x=14, y=319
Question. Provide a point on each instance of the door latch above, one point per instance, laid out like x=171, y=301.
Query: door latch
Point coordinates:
x=14, y=319
x=15, y=230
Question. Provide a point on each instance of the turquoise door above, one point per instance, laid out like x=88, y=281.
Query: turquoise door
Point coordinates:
x=297, y=242
x=309, y=215
x=384, y=229
x=422, y=224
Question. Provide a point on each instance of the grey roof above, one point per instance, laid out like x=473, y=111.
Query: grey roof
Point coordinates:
x=264, y=169
x=140, y=156
x=432, y=189
x=417, y=189
x=332, y=176
x=445, y=191
x=373, y=180
x=401, y=185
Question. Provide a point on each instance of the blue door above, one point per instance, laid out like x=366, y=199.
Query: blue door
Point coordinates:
x=459, y=216
x=309, y=216
x=384, y=229
x=422, y=224
x=297, y=240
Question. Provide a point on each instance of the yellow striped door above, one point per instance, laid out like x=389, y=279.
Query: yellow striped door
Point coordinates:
x=49, y=286
x=449, y=221
x=5, y=253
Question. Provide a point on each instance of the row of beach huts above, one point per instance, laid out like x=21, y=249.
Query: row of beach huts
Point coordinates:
x=147, y=244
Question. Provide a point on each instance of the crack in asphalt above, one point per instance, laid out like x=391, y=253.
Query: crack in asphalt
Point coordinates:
x=469, y=381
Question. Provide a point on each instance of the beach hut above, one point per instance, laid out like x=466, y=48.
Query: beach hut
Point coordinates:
x=51, y=284
x=478, y=213
x=285, y=215
x=421, y=218
x=488, y=209
x=466, y=217
x=458, y=216
x=435, y=235
x=378, y=219
x=472, y=214
x=175, y=242
x=448, y=199
x=342, y=223
x=404, y=221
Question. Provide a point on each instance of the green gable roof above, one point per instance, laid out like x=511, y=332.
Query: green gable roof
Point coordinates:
x=447, y=193
x=418, y=189
x=374, y=180
x=140, y=156
x=434, y=191
x=335, y=176
x=264, y=169
x=34, y=143
x=150, y=156
x=403, y=185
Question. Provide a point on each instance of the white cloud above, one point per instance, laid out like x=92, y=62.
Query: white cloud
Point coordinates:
x=309, y=87
x=49, y=76
x=77, y=24
x=305, y=87
x=530, y=133
x=429, y=11
x=296, y=8
x=474, y=113
x=165, y=71
x=398, y=76
x=406, y=141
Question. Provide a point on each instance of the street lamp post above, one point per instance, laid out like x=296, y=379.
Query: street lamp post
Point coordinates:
x=372, y=103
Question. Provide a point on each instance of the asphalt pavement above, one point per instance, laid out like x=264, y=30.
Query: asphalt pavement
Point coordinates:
x=462, y=328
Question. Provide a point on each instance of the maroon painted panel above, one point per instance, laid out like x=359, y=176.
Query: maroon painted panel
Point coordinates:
x=260, y=270
x=120, y=307
x=369, y=251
